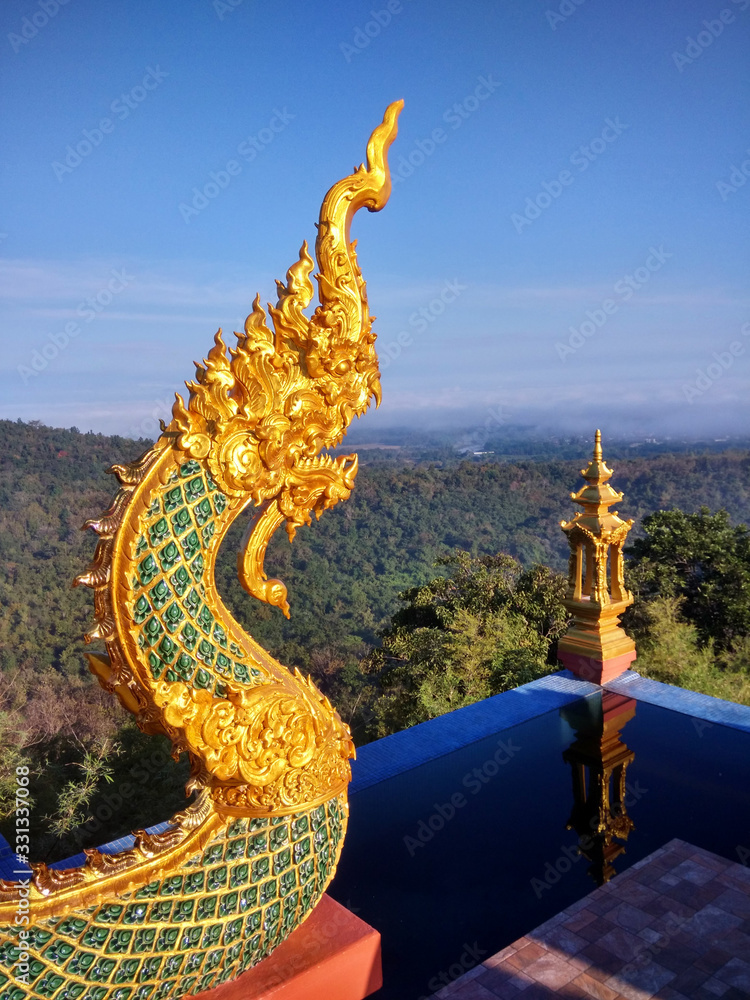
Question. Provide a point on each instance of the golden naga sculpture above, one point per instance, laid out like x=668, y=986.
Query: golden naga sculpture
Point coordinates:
x=595, y=646
x=235, y=872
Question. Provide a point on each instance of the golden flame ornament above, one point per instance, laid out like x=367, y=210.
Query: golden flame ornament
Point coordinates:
x=240, y=868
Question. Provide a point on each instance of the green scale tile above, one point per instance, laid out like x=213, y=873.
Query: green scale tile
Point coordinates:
x=173, y=617
x=109, y=914
x=141, y=610
x=147, y=570
x=239, y=876
x=181, y=521
x=167, y=649
x=191, y=937
x=58, y=952
x=223, y=665
x=241, y=673
x=150, y=968
x=228, y=904
x=194, y=962
x=203, y=679
x=157, y=666
x=205, y=982
x=203, y=512
x=300, y=827
x=144, y=940
x=171, y=886
x=37, y=938
x=159, y=532
x=184, y=986
x=268, y=892
x=211, y=936
x=194, y=489
x=169, y=556
x=159, y=595
x=180, y=581
x=216, y=878
x=152, y=630
x=301, y=850
x=183, y=910
x=101, y=970
x=206, y=908
x=95, y=993
x=205, y=652
x=205, y=620
x=127, y=970
x=188, y=636
x=192, y=603
x=194, y=882
x=173, y=499
x=135, y=913
x=281, y=861
x=287, y=883
x=197, y=567
x=257, y=844
x=13, y=993
x=172, y=965
x=190, y=545
x=279, y=837
x=189, y=468
x=212, y=854
x=95, y=937
x=49, y=984
x=80, y=963
x=248, y=899
x=167, y=938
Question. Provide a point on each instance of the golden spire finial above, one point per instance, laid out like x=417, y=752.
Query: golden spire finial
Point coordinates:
x=598, y=446
x=598, y=472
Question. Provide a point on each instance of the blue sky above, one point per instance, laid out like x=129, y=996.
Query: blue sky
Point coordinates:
x=566, y=242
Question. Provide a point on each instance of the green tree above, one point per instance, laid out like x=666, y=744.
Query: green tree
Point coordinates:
x=12, y=756
x=703, y=559
x=486, y=626
x=670, y=650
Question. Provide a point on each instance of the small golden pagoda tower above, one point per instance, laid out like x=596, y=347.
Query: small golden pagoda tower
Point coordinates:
x=595, y=648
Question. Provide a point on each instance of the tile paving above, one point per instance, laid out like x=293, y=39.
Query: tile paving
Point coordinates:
x=674, y=926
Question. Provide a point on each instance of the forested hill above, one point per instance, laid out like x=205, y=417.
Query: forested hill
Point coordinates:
x=344, y=572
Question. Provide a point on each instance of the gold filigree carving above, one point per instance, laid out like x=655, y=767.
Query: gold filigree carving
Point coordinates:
x=256, y=421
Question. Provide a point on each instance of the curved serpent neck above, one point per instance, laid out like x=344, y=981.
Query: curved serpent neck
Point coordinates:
x=260, y=739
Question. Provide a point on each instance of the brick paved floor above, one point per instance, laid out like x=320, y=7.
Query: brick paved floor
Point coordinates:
x=675, y=926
